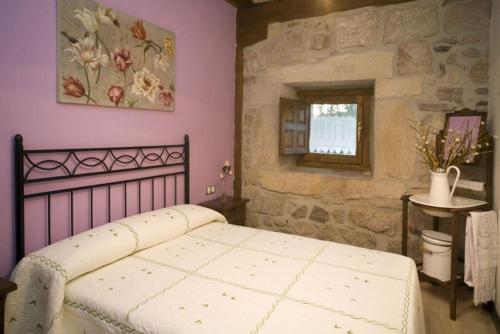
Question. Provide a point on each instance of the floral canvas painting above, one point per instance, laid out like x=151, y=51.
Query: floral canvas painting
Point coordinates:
x=109, y=58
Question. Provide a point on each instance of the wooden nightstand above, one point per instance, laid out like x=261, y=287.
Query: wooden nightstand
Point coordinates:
x=6, y=286
x=234, y=209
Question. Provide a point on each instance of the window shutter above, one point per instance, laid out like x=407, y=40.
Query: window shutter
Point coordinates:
x=294, y=127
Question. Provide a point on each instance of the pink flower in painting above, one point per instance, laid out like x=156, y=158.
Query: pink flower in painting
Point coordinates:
x=138, y=31
x=166, y=97
x=73, y=87
x=122, y=59
x=115, y=94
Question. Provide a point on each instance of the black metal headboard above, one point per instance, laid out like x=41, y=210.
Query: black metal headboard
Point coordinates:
x=52, y=166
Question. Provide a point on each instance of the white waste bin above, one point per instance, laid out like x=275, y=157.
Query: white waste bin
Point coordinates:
x=437, y=254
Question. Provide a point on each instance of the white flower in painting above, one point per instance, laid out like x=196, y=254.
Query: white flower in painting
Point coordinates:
x=87, y=53
x=88, y=19
x=161, y=62
x=105, y=15
x=145, y=84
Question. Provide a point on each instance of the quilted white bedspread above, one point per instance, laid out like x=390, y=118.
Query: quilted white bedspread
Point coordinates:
x=183, y=270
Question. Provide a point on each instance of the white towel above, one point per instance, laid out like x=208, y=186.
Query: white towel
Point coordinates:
x=481, y=254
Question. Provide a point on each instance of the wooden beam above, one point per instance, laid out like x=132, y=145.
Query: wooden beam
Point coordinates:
x=241, y=3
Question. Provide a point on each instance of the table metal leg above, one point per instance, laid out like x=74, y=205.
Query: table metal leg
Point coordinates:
x=404, y=236
x=435, y=223
x=455, y=228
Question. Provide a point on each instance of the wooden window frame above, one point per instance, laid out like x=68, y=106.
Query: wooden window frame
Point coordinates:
x=361, y=161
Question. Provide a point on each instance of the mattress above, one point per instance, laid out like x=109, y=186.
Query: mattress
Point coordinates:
x=212, y=277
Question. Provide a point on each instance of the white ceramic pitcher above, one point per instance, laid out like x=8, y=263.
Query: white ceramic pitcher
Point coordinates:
x=440, y=194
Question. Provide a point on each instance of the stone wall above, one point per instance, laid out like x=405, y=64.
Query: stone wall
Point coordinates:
x=424, y=58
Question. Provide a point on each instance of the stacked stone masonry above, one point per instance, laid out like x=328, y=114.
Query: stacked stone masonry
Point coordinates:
x=425, y=58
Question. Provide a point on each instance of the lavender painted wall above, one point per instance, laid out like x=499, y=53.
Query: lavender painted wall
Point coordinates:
x=205, y=36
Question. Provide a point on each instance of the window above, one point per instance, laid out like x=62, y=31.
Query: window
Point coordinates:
x=327, y=128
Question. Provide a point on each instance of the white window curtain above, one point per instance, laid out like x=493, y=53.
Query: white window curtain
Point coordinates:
x=334, y=134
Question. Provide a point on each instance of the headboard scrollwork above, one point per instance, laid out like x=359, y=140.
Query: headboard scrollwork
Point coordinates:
x=48, y=166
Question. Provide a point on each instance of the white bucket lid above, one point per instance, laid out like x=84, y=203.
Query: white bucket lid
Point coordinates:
x=436, y=238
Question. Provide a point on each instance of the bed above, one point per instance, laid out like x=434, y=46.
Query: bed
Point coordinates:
x=183, y=269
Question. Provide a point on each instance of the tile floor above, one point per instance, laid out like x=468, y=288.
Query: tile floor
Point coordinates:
x=470, y=319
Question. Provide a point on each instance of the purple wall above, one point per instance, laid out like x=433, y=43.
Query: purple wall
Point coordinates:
x=205, y=36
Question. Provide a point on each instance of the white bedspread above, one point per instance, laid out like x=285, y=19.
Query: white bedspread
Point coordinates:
x=184, y=270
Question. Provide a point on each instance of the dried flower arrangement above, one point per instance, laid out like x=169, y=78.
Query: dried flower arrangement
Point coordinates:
x=456, y=147
x=226, y=171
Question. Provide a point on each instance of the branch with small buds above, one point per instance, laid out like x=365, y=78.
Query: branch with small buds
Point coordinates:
x=458, y=146
x=226, y=170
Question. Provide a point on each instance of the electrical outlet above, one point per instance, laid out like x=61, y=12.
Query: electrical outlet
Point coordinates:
x=210, y=190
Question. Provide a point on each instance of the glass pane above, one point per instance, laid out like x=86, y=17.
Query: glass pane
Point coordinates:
x=333, y=129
